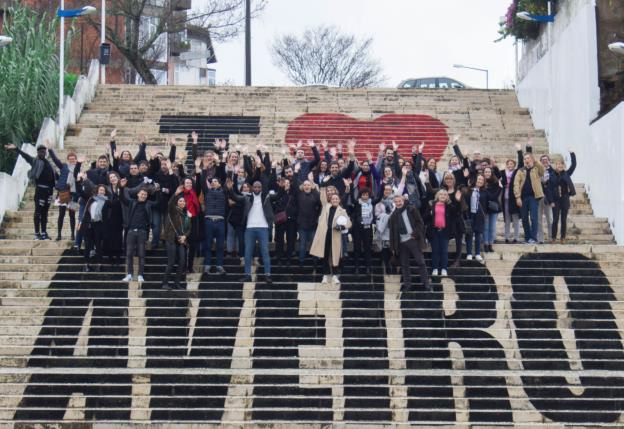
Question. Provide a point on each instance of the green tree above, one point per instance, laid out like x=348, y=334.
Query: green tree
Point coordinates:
x=29, y=83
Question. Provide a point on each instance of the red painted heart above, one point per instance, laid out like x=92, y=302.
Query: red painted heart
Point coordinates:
x=406, y=130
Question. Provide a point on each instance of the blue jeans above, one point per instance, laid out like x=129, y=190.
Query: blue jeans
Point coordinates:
x=305, y=240
x=214, y=229
x=477, y=238
x=157, y=218
x=261, y=235
x=235, y=239
x=528, y=211
x=489, y=234
x=439, y=250
x=83, y=205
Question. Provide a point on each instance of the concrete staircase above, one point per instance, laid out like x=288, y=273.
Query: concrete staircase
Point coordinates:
x=531, y=338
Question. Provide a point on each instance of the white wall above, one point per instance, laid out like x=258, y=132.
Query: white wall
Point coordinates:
x=559, y=85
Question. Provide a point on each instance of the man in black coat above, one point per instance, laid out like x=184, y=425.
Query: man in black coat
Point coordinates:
x=168, y=183
x=407, y=237
x=43, y=176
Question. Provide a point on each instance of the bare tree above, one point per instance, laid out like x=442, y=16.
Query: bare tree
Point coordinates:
x=142, y=45
x=323, y=55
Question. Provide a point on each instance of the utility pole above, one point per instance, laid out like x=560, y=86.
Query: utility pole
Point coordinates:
x=247, y=42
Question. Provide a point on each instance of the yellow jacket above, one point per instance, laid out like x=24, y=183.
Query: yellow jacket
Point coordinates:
x=537, y=172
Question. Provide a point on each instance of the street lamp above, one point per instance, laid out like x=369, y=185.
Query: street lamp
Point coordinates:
x=247, y=42
x=617, y=47
x=487, y=73
x=5, y=40
x=69, y=13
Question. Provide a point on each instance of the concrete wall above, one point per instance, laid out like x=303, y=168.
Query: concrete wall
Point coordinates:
x=558, y=83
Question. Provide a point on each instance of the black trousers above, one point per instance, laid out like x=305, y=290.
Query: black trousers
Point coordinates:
x=72, y=218
x=407, y=249
x=176, y=253
x=94, y=240
x=135, y=243
x=289, y=231
x=43, y=200
x=560, y=212
x=458, y=245
x=362, y=244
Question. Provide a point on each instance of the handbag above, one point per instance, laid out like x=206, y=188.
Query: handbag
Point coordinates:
x=64, y=197
x=280, y=218
x=493, y=207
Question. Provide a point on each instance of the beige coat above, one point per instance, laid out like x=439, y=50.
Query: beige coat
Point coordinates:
x=536, y=181
x=318, y=244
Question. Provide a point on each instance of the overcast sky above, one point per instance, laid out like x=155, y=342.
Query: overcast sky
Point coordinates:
x=411, y=38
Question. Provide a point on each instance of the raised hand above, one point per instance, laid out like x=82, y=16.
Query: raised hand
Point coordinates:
x=311, y=176
x=194, y=136
x=339, y=147
x=456, y=138
x=404, y=170
x=297, y=168
x=141, y=138
x=198, y=163
x=529, y=142
x=324, y=144
x=458, y=196
x=113, y=134
x=369, y=156
x=292, y=147
x=10, y=146
x=150, y=154
x=466, y=172
x=182, y=155
x=395, y=146
x=571, y=150
x=299, y=144
x=82, y=159
x=518, y=146
x=311, y=143
x=421, y=147
x=351, y=145
x=382, y=147
x=179, y=189
x=414, y=150
x=332, y=152
x=172, y=141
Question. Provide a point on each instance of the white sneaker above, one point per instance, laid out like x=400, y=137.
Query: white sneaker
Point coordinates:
x=335, y=280
x=479, y=258
x=469, y=257
x=140, y=279
x=434, y=273
x=325, y=280
x=444, y=273
x=128, y=278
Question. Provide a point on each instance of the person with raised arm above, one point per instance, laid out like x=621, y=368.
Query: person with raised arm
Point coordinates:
x=563, y=189
x=215, y=206
x=528, y=192
x=476, y=199
x=306, y=165
x=257, y=216
x=44, y=178
x=67, y=192
x=123, y=160
x=139, y=210
x=176, y=231
x=167, y=182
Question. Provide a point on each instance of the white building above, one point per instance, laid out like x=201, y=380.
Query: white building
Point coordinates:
x=564, y=81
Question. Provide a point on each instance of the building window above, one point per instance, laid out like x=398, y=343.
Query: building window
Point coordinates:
x=212, y=77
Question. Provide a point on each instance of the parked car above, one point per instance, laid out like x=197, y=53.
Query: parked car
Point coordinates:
x=432, y=82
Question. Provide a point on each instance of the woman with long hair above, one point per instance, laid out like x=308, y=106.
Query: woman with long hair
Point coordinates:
x=176, y=233
x=476, y=199
x=442, y=218
x=327, y=243
x=194, y=212
x=492, y=207
x=92, y=228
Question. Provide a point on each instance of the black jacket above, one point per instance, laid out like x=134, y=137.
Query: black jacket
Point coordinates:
x=267, y=205
x=308, y=208
x=562, y=182
x=418, y=228
x=46, y=177
x=452, y=218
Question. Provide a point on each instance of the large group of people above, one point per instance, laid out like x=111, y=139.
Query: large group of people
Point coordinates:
x=237, y=201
